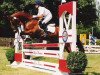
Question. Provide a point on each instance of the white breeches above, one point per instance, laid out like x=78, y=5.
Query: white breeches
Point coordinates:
x=47, y=18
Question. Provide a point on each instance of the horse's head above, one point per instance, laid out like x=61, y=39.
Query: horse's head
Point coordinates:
x=31, y=26
x=19, y=18
x=15, y=23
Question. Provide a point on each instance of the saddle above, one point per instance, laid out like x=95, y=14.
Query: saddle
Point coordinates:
x=49, y=27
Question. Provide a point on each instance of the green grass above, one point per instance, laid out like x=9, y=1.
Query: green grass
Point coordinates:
x=6, y=70
x=93, y=67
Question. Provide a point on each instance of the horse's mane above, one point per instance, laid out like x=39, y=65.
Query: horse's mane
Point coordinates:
x=26, y=20
x=22, y=14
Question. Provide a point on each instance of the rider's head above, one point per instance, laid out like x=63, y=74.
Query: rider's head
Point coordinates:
x=38, y=3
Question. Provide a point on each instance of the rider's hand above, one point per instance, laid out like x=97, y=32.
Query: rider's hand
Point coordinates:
x=34, y=16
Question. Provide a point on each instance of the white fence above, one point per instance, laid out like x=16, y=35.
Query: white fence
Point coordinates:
x=92, y=48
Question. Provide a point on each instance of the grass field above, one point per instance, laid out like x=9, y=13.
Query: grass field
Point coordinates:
x=6, y=70
x=93, y=67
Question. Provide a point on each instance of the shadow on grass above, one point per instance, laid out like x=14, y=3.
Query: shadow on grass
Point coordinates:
x=88, y=67
x=38, y=58
x=7, y=49
x=87, y=73
x=91, y=73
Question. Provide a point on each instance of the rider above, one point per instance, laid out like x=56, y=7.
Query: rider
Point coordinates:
x=43, y=14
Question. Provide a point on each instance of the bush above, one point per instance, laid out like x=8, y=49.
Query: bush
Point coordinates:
x=77, y=62
x=98, y=42
x=10, y=55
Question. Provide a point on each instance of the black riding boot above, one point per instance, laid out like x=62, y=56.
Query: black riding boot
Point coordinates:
x=44, y=27
x=45, y=30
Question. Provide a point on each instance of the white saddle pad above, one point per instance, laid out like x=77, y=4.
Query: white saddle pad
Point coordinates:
x=51, y=28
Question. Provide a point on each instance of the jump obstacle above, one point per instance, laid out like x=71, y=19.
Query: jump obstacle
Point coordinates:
x=67, y=34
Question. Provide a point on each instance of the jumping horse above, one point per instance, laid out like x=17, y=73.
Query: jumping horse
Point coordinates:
x=32, y=28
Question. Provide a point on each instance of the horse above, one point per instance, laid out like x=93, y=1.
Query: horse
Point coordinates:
x=32, y=28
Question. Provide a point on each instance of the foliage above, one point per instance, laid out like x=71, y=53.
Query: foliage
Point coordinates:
x=77, y=61
x=86, y=8
x=8, y=7
x=81, y=29
x=10, y=55
x=86, y=17
x=98, y=42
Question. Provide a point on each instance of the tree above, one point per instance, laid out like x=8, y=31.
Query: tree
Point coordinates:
x=86, y=17
x=8, y=7
x=86, y=13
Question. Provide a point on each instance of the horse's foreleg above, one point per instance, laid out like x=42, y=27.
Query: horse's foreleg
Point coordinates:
x=22, y=27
